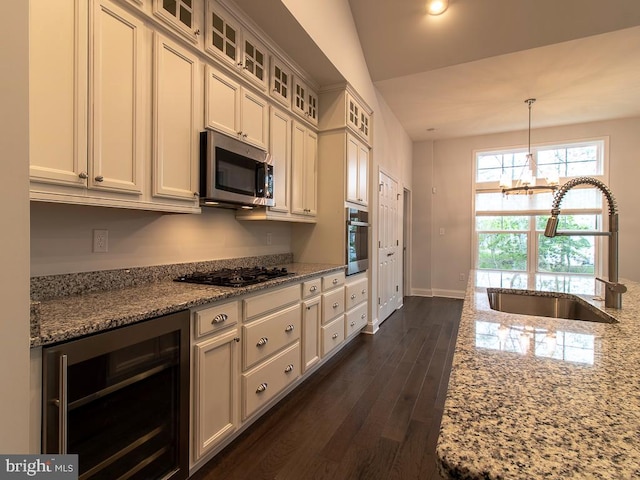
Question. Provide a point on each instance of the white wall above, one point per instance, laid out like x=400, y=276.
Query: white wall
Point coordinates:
x=421, y=232
x=61, y=238
x=452, y=204
x=14, y=215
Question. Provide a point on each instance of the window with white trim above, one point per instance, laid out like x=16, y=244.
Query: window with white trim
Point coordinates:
x=508, y=229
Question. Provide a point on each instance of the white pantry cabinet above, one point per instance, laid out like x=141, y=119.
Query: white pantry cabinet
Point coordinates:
x=304, y=170
x=235, y=110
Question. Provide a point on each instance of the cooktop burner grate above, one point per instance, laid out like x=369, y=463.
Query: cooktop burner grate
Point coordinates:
x=235, y=277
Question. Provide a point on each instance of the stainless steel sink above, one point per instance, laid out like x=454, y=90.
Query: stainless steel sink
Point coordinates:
x=546, y=304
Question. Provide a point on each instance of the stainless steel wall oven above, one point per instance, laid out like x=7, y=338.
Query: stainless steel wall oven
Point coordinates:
x=357, y=241
x=120, y=400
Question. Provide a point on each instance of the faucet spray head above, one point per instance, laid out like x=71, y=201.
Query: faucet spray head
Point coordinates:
x=552, y=226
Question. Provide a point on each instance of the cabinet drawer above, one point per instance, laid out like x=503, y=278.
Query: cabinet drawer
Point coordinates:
x=355, y=319
x=332, y=280
x=332, y=304
x=311, y=288
x=216, y=318
x=264, y=337
x=264, y=382
x=356, y=293
x=273, y=300
x=332, y=335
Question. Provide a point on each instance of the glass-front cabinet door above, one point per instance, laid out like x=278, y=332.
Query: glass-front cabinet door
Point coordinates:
x=183, y=15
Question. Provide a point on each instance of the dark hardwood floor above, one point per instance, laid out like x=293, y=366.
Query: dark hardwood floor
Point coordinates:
x=372, y=412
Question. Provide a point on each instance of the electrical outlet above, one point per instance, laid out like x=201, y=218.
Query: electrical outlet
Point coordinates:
x=100, y=241
x=461, y=277
x=268, y=238
x=441, y=230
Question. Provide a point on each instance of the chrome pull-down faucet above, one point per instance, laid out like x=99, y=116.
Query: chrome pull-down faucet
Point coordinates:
x=613, y=290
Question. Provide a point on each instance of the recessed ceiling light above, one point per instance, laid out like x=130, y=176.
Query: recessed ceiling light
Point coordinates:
x=436, y=7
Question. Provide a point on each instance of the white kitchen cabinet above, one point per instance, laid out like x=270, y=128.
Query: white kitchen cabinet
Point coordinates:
x=342, y=107
x=358, y=118
x=311, y=332
x=216, y=391
x=183, y=16
x=356, y=304
x=237, y=47
x=280, y=150
x=116, y=112
x=280, y=82
x=58, y=90
x=106, y=153
x=357, y=171
x=235, y=110
x=177, y=88
x=304, y=170
x=332, y=330
x=305, y=101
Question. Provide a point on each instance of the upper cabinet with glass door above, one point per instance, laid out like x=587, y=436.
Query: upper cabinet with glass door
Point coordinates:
x=305, y=101
x=225, y=38
x=185, y=16
x=281, y=82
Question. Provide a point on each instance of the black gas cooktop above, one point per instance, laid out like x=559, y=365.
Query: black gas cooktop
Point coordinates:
x=235, y=277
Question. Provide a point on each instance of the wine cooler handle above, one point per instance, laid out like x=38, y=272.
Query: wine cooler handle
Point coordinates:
x=62, y=406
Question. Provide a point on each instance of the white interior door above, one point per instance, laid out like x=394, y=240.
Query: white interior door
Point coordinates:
x=389, y=261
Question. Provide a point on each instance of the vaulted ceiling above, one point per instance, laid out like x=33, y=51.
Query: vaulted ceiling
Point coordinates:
x=469, y=70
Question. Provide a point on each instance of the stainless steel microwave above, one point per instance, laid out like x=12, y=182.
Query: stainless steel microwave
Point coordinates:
x=233, y=173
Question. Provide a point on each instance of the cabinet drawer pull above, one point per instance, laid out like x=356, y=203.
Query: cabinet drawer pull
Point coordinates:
x=353, y=324
x=335, y=280
x=289, y=328
x=237, y=339
x=353, y=296
x=336, y=305
x=99, y=178
x=313, y=288
x=289, y=368
x=261, y=388
x=83, y=175
x=262, y=341
x=221, y=317
x=363, y=316
x=334, y=336
x=364, y=291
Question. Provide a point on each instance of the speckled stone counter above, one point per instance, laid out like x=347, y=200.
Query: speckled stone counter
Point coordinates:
x=534, y=397
x=71, y=316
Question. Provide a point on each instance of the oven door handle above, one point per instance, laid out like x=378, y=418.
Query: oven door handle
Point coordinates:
x=62, y=404
x=358, y=224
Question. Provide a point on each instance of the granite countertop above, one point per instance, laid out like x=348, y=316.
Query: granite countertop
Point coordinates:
x=534, y=397
x=72, y=316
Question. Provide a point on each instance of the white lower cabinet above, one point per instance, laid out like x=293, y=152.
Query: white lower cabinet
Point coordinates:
x=215, y=377
x=264, y=382
x=356, y=304
x=247, y=353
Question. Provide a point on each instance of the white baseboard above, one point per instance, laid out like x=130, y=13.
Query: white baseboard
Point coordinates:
x=421, y=292
x=449, y=293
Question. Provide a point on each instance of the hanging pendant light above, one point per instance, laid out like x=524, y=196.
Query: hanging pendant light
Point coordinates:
x=526, y=183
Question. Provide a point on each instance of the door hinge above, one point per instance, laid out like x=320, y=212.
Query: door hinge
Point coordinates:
x=379, y=244
x=378, y=300
x=397, y=243
x=397, y=289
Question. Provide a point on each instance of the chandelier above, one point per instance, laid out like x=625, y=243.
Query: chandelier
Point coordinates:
x=526, y=182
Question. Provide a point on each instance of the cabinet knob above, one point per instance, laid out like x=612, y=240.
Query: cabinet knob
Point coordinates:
x=197, y=32
x=83, y=175
x=289, y=368
x=353, y=324
x=239, y=133
x=99, y=178
x=261, y=388
x=237, y=339
x=289, y=328
x=353, y=296
x=336, y=305
x=334, y=336
x=363, y=316
x=221, y=317
x=263, y=341
x=363, y=291
x=335, y=280
x=313, y=288
x=245, y=135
